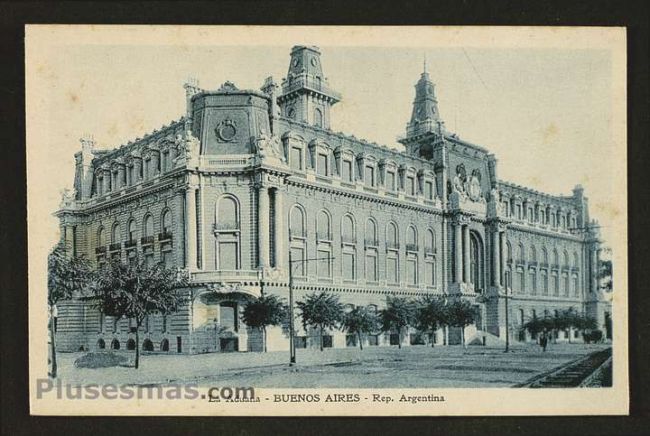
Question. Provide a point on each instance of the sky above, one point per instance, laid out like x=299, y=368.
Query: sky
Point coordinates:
x=543, y=105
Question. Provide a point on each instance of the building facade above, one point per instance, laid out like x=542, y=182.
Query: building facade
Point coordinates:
x=249, y=182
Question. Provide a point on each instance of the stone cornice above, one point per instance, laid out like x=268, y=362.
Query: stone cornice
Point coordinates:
x=293, y=181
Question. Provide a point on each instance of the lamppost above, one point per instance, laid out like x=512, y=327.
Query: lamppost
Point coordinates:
x=292, y=344
x=506, y=297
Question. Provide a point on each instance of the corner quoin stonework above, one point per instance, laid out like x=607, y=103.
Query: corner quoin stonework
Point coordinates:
x=246, y=176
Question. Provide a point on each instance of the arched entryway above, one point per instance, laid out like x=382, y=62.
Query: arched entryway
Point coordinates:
x=115, y=344
x=147, y=345
x=101, y=344
x=477, y=262
x=164, y=345
x=217, y=322
x=130, y=344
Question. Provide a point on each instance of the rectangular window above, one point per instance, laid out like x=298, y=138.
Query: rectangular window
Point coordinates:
x=370, y=176
x=296, y=158
x=348, y=266
x=324, y=264
x=430, y=273
x=147, y=163
x=347, y=171
x=410, y=186
x=518, y=209
x=428, y=190
x=297, y=258
x=167, y=258
x=412, y=271
x=322, y=165
x=227, y=256
x=390, y=181
x=371, y=268
x=391, y=270
x=530, y=215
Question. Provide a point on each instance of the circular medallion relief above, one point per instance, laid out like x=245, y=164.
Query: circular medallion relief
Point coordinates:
x=226, y=130
x=314, y=61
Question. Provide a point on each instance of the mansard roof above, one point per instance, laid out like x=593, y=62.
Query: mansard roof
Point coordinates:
x=150, y=138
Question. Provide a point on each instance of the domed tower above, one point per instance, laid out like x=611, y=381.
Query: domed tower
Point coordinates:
x=306, y=95
x=425, y=126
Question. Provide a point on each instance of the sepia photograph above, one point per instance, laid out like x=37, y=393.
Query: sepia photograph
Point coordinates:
x=250, y=220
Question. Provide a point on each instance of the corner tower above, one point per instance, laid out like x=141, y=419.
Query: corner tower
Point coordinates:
x=425, y=123
x=306, y=95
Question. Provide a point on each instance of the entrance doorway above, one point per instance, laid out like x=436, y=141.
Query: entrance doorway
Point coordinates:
x=229, y=345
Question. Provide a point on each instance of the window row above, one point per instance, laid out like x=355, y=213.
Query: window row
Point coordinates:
x=521, y=256
x=535, y=282
x=120, y=175
x=349, y=269
x=147, y=231
x=543, y=216
x=367, y=169
x=349, y=235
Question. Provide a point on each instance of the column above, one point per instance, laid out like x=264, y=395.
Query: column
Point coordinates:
x=263, y=226
x=458, y=248
x=280, y=237
x=594, y=270
x=502, y=244
x=190, y=228
x=466, y=260
x=496, y=258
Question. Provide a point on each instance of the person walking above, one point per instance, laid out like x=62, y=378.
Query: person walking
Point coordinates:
x=543, y=341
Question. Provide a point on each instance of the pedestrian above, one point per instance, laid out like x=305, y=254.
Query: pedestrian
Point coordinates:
x=543, y=341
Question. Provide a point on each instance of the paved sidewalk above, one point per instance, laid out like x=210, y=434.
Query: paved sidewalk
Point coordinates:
x=417, y=366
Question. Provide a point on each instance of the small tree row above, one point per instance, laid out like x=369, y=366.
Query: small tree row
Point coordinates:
x=325, y=311
x=562, y=320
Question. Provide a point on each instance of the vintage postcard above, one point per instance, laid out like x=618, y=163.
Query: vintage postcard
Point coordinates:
x=250, y=220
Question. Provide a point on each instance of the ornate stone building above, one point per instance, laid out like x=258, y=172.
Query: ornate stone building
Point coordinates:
x=248, y=179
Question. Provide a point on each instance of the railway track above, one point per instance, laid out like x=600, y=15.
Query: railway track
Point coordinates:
x=573, y=374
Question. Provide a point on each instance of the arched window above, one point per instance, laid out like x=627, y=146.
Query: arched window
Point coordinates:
x=347, y=229
x=101, y=238
x=430, y=243
x=556, y=258
x=412, y=239
x=318, y=118
x=348, y=238
x=566, y=259
x=533, y=254
x=392, y=253
x=509, y=252
x=521, y=253
x=166, y=222
x=544, y=255
x=323, y=226
x=227, y=213
x=371, y=233
x=297, y=222
x=115, y=233
x=575, y=260
x=227, y=227
x=131, y=230
x=148, y=226
x=476, y=262
x=392, y=236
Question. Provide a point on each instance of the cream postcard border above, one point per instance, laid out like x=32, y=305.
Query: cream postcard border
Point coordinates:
x=41, y=38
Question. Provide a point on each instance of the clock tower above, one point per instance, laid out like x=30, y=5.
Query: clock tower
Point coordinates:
x=306, y=95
